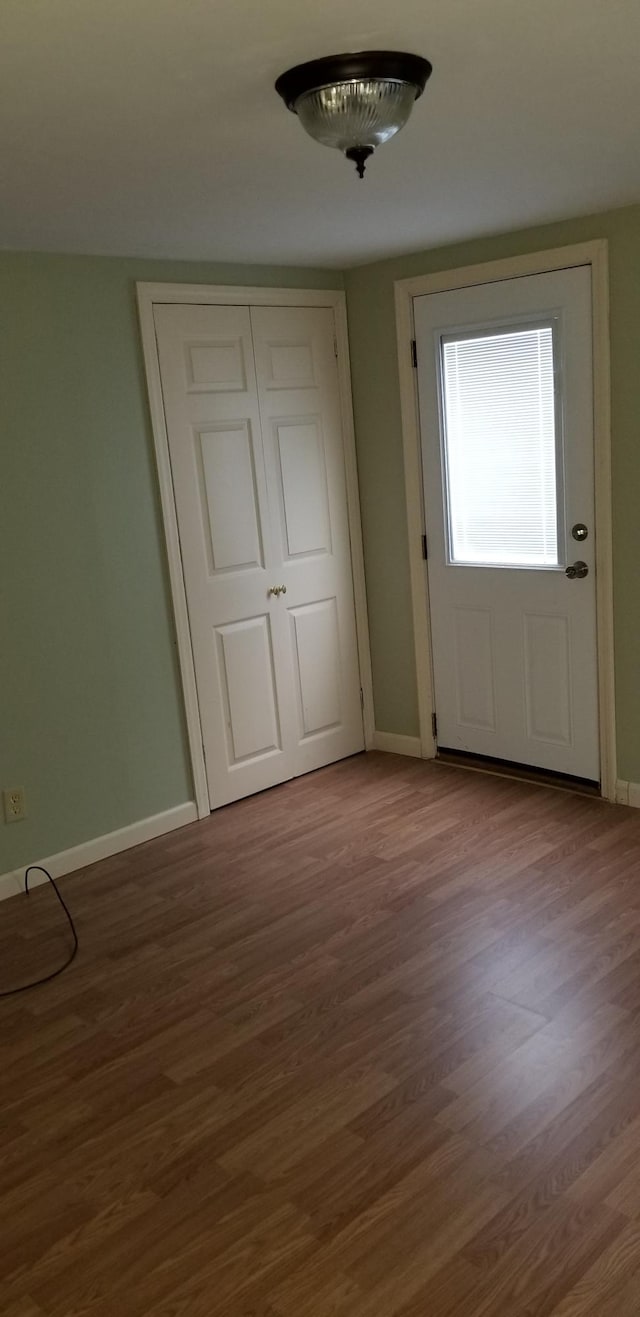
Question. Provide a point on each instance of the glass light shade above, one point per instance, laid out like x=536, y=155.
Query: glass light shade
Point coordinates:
x=357, y=113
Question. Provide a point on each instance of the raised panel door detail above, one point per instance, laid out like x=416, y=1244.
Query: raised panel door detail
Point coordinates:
x=317, y=655
x=303, y=478
x=248, y=687
x=547, y=669
x=290, y=366
x=226, y=472
x=474, y=668
x=215, y=366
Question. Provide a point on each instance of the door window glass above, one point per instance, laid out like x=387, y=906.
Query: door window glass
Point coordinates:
x=501, y=447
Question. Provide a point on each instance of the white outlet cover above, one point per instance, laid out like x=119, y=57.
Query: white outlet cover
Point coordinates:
x=15, y=804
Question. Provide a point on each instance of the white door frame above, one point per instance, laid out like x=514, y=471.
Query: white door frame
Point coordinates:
x=594, y=254
x=150, y=295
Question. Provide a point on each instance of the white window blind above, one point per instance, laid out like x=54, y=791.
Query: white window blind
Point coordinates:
x=500, y=447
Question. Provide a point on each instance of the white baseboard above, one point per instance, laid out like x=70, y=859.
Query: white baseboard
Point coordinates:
x=395, y=744
x=628, y=793
x=99, y=848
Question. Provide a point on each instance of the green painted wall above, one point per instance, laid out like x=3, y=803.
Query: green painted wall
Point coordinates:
x=377, y=413
x=91, y=718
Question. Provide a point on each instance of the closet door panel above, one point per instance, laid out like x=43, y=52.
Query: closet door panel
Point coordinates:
x=304, y=463
x=229, y=553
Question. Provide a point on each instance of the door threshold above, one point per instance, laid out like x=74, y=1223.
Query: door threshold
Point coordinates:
x=543, y=777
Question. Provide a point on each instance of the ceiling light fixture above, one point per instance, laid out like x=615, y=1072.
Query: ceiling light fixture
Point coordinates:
x=355, y=102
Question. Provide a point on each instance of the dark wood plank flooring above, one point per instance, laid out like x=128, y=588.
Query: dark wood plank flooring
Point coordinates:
x=367, y=1045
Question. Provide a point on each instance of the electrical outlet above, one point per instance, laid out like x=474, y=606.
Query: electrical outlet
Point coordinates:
x=15, y=804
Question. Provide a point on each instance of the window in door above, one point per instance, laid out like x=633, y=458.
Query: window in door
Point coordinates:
x=502, y=445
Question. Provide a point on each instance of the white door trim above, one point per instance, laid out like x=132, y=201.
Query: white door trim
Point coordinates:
x=150, y=294
x=594, y=254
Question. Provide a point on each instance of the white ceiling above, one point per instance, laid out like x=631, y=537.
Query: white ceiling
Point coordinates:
x=151, y=127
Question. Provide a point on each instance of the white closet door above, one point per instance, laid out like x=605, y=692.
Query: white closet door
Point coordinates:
x=304, y=455
x=229, y=560
x=277, y=674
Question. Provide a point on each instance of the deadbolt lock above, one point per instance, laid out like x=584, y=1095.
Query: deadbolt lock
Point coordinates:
x=579, y=531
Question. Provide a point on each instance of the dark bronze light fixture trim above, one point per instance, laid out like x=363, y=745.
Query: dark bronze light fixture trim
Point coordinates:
x=364, y=64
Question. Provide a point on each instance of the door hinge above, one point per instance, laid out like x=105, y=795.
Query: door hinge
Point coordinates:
x=434, y=726
x=362, y=699
x=424, y=547
x=414, y=353
x=335, y=346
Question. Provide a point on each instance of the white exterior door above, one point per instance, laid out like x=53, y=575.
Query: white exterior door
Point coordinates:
x=255, y=441
x=506, y=416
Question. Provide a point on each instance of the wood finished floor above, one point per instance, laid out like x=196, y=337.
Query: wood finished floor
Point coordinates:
x=367, y=1045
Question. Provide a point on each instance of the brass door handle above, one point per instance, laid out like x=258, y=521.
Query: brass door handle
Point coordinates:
x=277, y=589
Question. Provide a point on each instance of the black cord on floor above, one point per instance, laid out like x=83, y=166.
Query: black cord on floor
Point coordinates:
x=9, y=992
